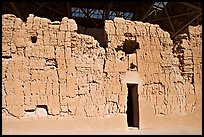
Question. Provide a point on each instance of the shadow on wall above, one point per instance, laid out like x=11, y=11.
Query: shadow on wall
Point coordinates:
x=97, y=33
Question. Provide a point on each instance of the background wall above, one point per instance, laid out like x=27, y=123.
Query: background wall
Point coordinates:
x=51, y=71
x=170, y=93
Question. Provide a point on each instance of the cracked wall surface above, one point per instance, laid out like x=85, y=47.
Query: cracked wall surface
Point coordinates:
x=50, y=70
x=170, y=71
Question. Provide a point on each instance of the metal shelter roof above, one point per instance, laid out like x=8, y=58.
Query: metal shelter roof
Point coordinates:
x=173, y=17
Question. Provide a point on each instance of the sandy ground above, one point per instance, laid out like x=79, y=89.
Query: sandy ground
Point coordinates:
x=61, y=127
x=130, y=131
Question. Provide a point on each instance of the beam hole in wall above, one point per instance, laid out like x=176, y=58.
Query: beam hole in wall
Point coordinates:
x=34, y=39
x=6, y=57
x=30, y=110
x=132, y=106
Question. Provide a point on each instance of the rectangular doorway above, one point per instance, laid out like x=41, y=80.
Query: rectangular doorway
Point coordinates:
x=132, y=106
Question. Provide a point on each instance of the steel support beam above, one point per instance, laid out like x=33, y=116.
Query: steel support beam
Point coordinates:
x=41, y=11
x=145, y=16
x=91, y=10
x=53, y=9
x=189, y=13
x=16, y=10
x=186, y=25
x=108, y=10
x=68, y=9
x=87, y=14
x=39, y=8
x=172, y=26
x=190, y=5
x=7, y=8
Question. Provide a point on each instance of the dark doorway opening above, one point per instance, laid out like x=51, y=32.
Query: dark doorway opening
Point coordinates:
x=132, y=106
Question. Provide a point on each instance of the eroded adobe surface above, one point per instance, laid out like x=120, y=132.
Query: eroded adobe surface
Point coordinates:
x=171, y=72
x=49, y=69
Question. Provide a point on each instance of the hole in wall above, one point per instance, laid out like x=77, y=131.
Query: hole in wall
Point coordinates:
x=41, y=110
x=6, y=57
x=30, y=110
x=34, y=39
x=130, y=46
x=132, y=66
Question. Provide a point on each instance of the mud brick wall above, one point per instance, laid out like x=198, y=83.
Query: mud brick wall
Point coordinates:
x=50, y=65
x=169, y=70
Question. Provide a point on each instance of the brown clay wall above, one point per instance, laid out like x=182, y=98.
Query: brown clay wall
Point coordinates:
x=51, y=71
x=169, y=71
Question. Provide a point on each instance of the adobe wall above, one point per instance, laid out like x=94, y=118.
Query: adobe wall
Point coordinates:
x=170, y=72
x=49, y=71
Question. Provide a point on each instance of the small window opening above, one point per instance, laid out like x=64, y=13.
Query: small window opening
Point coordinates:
x=42, y=107
x=34, y=39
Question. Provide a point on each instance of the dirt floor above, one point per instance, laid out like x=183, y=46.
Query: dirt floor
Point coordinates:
x=63, y=127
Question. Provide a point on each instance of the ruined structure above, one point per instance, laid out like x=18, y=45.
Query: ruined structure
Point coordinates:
x=137, y=75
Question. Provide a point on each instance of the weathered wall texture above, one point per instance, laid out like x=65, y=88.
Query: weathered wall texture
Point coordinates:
x=49, y=64
x=170, y=71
